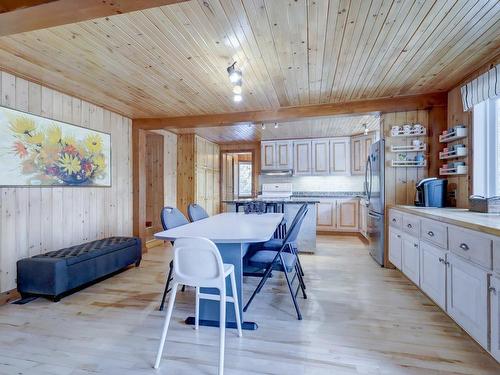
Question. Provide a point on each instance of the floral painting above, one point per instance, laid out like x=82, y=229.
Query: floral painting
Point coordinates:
x=36, y=151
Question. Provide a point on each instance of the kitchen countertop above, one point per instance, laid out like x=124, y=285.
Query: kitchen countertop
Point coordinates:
x=327, y=194
x=486, y=223
x=292, y=200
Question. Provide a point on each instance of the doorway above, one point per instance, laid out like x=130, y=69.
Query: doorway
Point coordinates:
x=154, y=185
x=238, y=176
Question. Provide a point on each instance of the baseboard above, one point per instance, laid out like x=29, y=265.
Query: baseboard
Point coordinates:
x=9, y=296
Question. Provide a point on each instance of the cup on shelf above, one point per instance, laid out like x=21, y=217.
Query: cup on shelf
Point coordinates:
x=419, y=158
x=418, y=128
x=401, y=157
x=407, y=128
x=417, y=143
x=395, y=130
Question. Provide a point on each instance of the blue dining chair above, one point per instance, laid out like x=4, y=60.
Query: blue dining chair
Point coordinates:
x=196, y=212
x=171, y=217
x=284, y=259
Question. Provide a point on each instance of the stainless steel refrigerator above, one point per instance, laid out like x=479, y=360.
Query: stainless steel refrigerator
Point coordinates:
x=374, y=191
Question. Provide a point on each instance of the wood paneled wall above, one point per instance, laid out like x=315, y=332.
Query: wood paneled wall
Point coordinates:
x=35, y=220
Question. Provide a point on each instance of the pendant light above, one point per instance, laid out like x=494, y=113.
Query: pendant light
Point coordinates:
x=236, y=78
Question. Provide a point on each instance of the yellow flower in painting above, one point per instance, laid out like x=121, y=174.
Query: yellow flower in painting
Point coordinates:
x=69, y=164
x=36, y=139
x=94, y=143
x=22, y=125
x=54, y=135
x=70, y=141
x=100, y=162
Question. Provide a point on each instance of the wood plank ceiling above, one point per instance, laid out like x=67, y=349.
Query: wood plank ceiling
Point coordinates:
x=338, y=126
x=171, y=60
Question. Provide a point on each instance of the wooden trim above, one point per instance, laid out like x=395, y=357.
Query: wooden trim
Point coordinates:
x=39, y=14
x=9, y=296
x=139, y=184
x=383, y=105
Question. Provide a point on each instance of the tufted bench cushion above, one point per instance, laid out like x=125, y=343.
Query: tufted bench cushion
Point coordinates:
x=58, y=272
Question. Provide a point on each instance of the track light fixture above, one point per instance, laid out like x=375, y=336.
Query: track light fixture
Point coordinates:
x=263, y=126
x=366, y=129
x=236, y=78
x=276, y=125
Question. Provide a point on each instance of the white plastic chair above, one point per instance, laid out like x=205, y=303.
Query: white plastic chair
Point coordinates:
x=197, y=263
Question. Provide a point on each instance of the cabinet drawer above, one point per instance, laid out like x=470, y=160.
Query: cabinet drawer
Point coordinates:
x=471, y=245
x=411, y=225
x=396, y=219
x=434, y=232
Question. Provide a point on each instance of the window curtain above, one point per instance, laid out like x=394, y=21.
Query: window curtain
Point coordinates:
x=486, y=86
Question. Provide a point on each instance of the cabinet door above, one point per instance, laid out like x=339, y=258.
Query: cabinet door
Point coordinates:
x=495, y=317
x=363, y=216
x=433, y=273
x=268, y=155
x=325, y=216
x=410, y=258
x=367, y=142
x=302, y=157
x=340, y=156
x=201, y=187
x=395, y=247
x=357, y=166
x=284, y=155
x=320, y=157
x=347, y=215
x=467, y=297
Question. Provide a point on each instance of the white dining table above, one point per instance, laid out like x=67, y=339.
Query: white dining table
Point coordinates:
x=233, y=233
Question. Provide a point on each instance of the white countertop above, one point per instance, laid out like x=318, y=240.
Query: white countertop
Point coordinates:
x=486, y=223
x=229, y=227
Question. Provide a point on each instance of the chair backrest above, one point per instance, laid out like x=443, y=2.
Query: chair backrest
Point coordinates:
x=293, y=230
x=171, y=217
x=197, y=262
x=196, y=212
x=256, y=207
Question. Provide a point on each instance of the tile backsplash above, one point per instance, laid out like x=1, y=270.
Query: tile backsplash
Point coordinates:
x=318, y=183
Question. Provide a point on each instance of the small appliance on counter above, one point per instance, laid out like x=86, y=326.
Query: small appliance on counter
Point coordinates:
x=431, y=192
x=484, y=205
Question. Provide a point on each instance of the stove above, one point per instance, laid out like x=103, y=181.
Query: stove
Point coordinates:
x=276, y=191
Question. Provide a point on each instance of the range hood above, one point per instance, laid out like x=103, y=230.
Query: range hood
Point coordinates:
x=277, y=172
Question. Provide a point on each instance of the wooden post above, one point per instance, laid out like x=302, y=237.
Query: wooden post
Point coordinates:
x=139, y=184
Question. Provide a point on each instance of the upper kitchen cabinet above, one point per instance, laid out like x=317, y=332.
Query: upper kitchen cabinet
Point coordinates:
x=320, y=156
x=302, y=157
x=276, y=155
x=360, y=149
x=340, y=160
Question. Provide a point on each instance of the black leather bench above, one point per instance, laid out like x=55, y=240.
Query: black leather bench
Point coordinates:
x=56, y=273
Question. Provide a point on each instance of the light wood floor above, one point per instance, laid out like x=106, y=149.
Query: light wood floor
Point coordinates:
x=359, y=319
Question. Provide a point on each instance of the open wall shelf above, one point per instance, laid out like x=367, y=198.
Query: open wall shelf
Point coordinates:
x=410, y=148
x=457, y=153
x=412, y=133
x=455, y=135
x=456, y=171
x=408, y=163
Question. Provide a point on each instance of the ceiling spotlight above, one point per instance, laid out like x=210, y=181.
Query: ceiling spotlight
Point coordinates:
x=263, y=126
x=237, y=98
x=276, y=125
x=237, y=89
x=366, y=129
x=235, y=74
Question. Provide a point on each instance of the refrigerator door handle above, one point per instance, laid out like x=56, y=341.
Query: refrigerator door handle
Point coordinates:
x=368, y=174
x=376, y=217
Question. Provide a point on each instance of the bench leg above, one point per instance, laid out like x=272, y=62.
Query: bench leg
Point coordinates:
x=56, y=298
x=138, y=263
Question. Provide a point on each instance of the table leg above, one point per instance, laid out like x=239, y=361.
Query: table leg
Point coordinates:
x=232, y=253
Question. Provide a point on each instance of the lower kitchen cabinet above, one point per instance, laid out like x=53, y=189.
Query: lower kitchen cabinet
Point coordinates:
x=395, y=247
x=495, y=316
x=410, y=258
x=433, y=273
x=363, y=218
x=467, y=299
x=338, y=215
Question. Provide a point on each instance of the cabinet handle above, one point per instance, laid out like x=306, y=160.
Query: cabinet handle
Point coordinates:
x=492, y=290
x=441, y=260
x=398, y=235
x=464, y=246
x=430, y=233
x=415, y=245
x=393, y=219
x=409, y=226
x=447, y=263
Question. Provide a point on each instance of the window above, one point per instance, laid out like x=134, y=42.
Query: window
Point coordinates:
x=244, y=179
x=486, y=148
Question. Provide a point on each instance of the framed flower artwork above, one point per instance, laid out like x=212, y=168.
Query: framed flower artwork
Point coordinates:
x=37, y=151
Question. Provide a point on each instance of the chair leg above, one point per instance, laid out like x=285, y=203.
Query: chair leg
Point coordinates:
x=299, y=315
x=183, y=288
x=301, y=281
x=234, y=291
x=261, y=284
x=167, y=284
x=222, y=327
x=197, y=309
x=170, y=308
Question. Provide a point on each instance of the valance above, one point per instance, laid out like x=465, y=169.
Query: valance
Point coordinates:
x=486, y=86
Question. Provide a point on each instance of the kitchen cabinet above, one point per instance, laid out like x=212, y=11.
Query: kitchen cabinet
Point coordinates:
x=433, y=273
x=320, y=156
x=347, y=214
x=302, y=157
x=276, y=155
x=207, y=175
x=467, y=297
x=495, y=316
x=360, y=149
x=326, y=215
x=395, y=247
x=338, y=215
x=340, y=156
x=410, y=257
